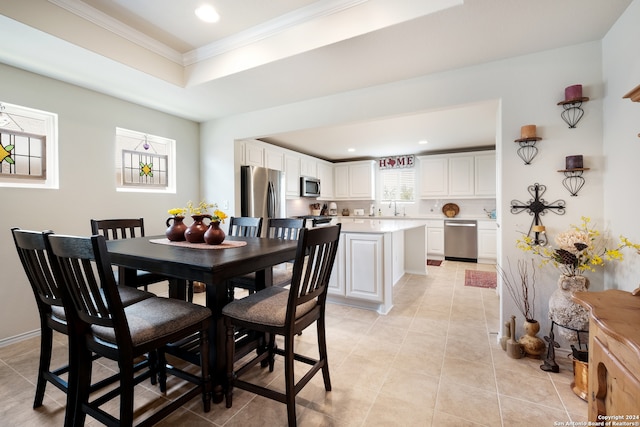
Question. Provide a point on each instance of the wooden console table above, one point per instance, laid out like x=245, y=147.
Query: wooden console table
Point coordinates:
x=614, y=354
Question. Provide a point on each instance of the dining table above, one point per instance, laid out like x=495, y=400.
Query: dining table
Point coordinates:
x=214, y=266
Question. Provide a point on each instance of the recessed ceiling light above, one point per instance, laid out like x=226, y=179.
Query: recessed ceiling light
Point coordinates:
x=207, y=13
x=423, y=142
x=351, y=150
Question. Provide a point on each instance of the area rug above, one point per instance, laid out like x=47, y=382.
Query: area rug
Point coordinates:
x=434, y=262
x=480, y=279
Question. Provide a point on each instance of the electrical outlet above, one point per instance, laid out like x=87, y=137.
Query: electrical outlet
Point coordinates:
x=225, y=204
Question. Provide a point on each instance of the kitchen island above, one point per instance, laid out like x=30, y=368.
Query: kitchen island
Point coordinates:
x=372, y=256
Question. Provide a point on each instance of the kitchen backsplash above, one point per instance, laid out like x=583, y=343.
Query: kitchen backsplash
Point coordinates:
x=469, y=208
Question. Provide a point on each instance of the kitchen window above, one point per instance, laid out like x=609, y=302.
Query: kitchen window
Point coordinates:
x=144, y=162
x=28, y=147
x=398, y=185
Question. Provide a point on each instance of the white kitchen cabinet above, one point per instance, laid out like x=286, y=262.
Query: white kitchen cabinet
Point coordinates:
x=336, y=280
x=308, y=167
x=487, y=242
x=468, y=175
x=253, y=154
x=325, y=174
x=274, y=159
x=461, y=176
x=341, y=181
x=292, y=175
x=364, y=258
x=355, y=180
x=485, y=175
x=435, y=239
x=434, y=176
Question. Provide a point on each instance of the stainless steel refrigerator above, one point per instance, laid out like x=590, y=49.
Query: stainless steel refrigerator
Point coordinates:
x=262, y=193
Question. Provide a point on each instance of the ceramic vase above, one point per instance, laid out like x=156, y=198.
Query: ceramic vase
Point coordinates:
x=175, y=230
x=214, y=234
x=195, y=232
x=564, y=312
x=532, y=345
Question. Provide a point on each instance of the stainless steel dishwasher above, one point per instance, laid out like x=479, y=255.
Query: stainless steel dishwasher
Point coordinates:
x=461, y=240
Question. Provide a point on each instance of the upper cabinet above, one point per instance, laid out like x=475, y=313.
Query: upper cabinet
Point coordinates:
x=253, y=153
x=465, y=175
x=355, y=180
x=325, y=174
x=308, y=166
x=485, y=174
x=292, y=175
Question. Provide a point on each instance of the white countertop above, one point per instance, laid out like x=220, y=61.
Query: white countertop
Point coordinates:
x=375, y=225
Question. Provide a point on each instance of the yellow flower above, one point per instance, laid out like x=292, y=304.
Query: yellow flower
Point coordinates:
x=218, y=215
x=176, y=211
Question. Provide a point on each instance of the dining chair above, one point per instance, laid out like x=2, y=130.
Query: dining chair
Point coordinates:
x=277, y=228
x=123, y=334
x=31, y=248
x=286, y=312
x=244, y=227
x=113, y=229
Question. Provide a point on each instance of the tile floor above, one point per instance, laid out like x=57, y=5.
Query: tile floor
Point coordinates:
x=432, y=361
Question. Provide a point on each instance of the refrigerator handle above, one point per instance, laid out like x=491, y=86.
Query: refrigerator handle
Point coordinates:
x=270, y=200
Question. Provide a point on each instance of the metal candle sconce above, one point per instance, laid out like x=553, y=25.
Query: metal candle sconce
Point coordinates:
x=572, y=104
x=573, y=180
x=527, y=142
x=537, y=207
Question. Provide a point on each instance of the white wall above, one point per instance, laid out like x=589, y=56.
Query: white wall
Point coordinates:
x=621, y=70
x=528, y=89
x=86, y=122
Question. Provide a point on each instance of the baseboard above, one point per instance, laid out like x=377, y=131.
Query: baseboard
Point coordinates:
x=17, y=338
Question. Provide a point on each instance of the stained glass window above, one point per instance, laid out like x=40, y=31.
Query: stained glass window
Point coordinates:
x=28, y=147
x=144, y=162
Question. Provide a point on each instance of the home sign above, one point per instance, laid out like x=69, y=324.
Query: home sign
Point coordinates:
x=397, y=162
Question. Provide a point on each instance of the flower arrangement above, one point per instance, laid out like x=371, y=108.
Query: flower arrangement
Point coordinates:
x=201, y=208
x=579, y=249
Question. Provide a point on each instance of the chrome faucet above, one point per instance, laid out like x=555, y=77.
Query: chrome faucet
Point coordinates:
x=395, y=207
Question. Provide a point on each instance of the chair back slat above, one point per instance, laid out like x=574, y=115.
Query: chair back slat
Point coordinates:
x=314, y=261
x=32, y=253
x=245, y=226
x=284, y=228
x=114, y=229
x=82, y=264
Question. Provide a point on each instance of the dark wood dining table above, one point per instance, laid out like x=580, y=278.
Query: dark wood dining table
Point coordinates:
x=210, y=266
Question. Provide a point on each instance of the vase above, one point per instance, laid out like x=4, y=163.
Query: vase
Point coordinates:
x=176, y=229
x=532, y=345
x=566, y=313
x=214, y=234
x=195, y=232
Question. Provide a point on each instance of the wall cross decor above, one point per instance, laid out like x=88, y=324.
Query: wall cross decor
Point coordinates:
x=537, y=207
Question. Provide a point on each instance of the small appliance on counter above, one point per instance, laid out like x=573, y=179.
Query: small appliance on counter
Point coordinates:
x=333, y=209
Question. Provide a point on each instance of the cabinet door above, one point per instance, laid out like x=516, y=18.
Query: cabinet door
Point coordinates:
x=308, y=167
x=273, y=159
x=363, y=261
x=254, y=154
x=461, y=176
x=325, y=173
x=487, y=244
x=341, y=181
x=435, y=241
x=434, y=176
x=336, y=280
x=361, y=184
x=485, y=175
x=292, y=175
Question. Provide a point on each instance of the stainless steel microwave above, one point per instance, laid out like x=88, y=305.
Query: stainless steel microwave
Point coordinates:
x=309, y=187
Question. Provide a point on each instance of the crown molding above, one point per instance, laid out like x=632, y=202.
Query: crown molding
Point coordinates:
x=269, y=28
x=105, y=21
x=259, y=32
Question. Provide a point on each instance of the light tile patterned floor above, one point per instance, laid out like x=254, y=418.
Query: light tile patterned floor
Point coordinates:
x=432, y=361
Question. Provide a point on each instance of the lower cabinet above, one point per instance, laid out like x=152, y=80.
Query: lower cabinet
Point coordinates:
x=435, y=239
x=487, y=242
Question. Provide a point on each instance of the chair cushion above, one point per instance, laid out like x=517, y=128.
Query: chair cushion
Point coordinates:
x=128, y=296
x=154, y=318
x=266, y=307
x=282, y=274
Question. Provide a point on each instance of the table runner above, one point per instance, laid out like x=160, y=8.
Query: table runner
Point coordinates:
x=224, y=245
